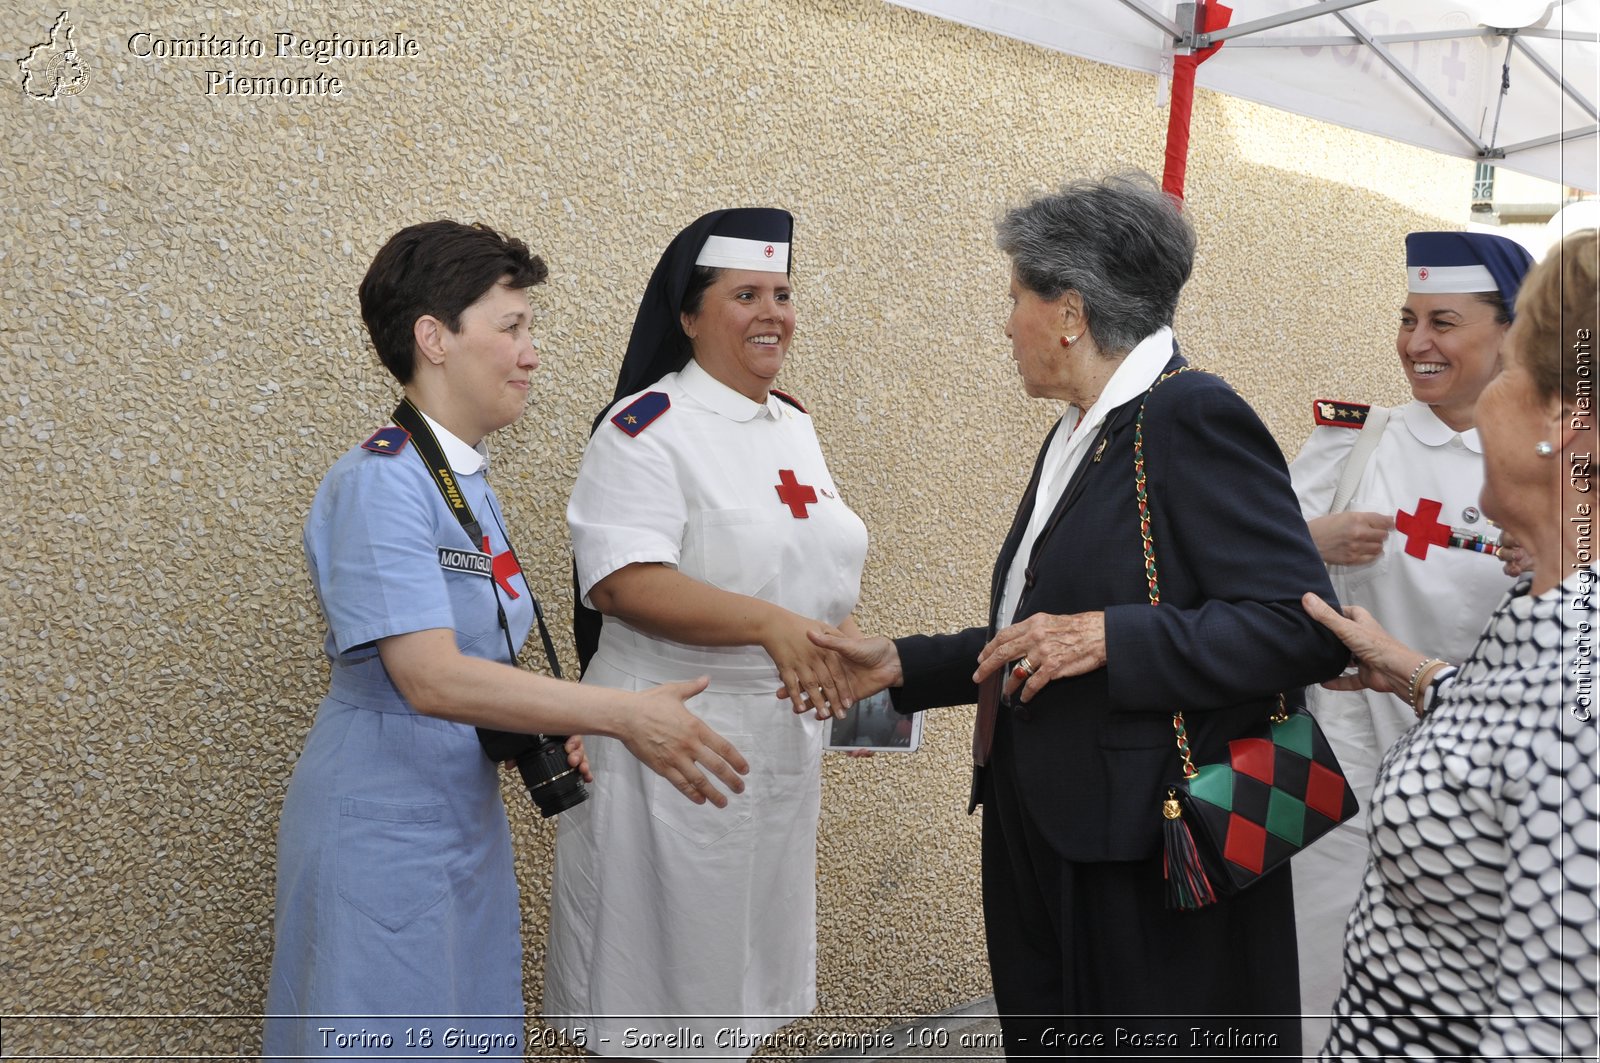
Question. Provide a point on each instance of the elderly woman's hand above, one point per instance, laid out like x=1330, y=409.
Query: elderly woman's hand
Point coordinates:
x=1350, y=538
x=1053, y=647
x=1383, y=662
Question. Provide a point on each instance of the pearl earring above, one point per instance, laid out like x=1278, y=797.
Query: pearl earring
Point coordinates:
x=1068, y=341
x=1543, y=449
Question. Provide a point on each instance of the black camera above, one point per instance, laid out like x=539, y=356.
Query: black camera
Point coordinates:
x=554, y=785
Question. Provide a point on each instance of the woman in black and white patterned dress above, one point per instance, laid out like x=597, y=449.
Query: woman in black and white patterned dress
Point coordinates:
x=1477, y=935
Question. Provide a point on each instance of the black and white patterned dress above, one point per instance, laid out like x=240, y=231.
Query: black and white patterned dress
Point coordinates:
x=1476, y=935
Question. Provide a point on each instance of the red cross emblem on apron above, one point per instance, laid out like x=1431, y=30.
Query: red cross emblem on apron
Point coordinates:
x=1422, y=528
x=794, y=494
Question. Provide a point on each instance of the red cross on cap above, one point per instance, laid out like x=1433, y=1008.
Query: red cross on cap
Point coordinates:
x=768, y=251
x=1422, y=274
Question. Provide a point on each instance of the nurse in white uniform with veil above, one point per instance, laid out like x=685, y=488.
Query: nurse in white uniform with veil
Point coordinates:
x=708, y=531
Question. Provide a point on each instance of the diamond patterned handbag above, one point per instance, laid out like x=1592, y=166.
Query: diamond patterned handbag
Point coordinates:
x=1280, y=789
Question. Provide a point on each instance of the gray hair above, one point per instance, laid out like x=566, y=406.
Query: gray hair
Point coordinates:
x=1119, y=242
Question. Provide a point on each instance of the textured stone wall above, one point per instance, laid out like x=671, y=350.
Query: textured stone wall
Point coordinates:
x=181, y=358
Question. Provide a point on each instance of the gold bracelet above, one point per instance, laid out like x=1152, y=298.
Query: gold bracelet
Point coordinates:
x=1417, y=686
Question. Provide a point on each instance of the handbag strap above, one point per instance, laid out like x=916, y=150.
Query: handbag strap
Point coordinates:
x=1141, y=490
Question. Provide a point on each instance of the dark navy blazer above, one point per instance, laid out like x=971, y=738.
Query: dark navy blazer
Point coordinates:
x=1092, y=754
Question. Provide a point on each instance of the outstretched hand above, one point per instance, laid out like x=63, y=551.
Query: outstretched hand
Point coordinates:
x=675, y=744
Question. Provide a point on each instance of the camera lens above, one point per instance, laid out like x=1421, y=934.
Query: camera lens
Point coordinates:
x=554, y=784
x=542, y=761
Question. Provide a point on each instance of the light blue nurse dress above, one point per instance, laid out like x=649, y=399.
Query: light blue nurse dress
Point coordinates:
x=397, y=930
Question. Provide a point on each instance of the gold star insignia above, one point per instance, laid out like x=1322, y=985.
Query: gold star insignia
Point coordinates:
x=631, y=419
x=383, y=442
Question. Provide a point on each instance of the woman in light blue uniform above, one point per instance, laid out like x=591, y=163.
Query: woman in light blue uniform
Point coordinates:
x=397, y=925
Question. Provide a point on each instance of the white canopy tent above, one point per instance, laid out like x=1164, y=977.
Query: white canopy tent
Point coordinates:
x=1511, y=83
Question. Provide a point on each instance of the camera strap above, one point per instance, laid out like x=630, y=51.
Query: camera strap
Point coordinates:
x=407, y=416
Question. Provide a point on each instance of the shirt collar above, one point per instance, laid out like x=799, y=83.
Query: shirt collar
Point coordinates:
x=722, y=399
x=1423, y=423
x=1133, y=376
x=464, y=460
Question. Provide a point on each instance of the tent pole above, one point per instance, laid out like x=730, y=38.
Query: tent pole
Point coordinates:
x=1417, y=86
x=1202, y=17
x=1272, y=22
x=1505, y=87
x=1566, y=136
x=1551, y=73
x=1155, y=18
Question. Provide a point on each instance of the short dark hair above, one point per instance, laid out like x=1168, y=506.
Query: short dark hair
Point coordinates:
x=1496, y=302
x=1119, y=242
x=436, y=269
x=700, y=279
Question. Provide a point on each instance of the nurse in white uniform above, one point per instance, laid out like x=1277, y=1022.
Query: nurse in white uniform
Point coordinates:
x=708, y=531
x=1391, y=496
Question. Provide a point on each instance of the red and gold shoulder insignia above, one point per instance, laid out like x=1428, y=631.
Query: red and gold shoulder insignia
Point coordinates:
x=1335, y=414
x=790, y=399
x=639, y=413
x=391, y=440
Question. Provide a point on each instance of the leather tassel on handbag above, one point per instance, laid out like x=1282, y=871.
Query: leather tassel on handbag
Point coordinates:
x=1187, y=884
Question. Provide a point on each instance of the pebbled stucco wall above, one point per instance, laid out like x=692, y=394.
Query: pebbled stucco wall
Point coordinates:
x=181, y=358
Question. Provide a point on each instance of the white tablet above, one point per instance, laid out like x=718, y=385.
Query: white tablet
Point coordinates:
x=872, y=723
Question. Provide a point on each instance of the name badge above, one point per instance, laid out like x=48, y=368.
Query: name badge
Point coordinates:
x=469, y=561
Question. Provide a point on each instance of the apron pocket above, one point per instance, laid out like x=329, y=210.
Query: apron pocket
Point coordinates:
x=390, y=859
x=1346, y=578
x=738, y=550
x=704, y=824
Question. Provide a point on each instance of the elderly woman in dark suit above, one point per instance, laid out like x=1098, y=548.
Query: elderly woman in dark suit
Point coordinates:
x=1077, y=676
